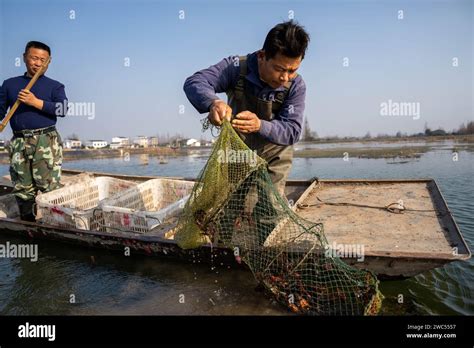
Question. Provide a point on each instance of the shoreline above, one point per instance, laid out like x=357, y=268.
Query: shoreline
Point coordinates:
x=404, y=152
x=367, y=153
x=468, y=138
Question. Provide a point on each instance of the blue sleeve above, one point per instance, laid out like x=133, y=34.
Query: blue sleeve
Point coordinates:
x=201, y=87
x=58, y=96
x=285, y=128
x=3, y=101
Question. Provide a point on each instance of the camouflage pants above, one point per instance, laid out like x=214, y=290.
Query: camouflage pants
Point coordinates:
x=35, y=164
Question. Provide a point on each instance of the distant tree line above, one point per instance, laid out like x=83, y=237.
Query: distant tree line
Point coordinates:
x=464, y=129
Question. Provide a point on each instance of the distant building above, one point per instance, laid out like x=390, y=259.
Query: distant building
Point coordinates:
x=141, y=141
x=119, y=142
x=193, y=142
x=176, y=143
x=72, y=144
x=153, y=141
x=96, y=144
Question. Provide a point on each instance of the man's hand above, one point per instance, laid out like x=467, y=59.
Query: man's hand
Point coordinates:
x=219, y=111
x=246, y=122
x=28, y=98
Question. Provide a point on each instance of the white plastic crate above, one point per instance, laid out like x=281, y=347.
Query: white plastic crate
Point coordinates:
x=76, y=205
x=146, y=206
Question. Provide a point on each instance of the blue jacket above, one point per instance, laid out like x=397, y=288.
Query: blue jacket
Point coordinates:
x=284, y=129
x=27, y=117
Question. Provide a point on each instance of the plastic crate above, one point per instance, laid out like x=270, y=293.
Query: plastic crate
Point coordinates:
x=76, y=205
x=146, y=206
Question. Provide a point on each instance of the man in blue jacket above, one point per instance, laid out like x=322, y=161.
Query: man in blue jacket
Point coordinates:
x=36, y=148
x=265, y=95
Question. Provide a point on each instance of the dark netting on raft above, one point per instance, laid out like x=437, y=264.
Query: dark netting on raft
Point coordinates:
x=235, y=203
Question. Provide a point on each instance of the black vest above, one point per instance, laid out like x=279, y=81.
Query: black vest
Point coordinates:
x=240, y=99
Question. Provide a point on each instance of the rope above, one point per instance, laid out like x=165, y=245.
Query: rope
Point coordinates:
x=399, y=209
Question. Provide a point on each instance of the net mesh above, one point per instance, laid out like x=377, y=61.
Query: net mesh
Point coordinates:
x=235, y=203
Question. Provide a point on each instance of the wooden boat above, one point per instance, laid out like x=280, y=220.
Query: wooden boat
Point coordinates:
x=353, y=213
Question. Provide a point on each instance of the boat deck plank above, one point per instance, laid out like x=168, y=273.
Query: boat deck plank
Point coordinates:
x=378, y=229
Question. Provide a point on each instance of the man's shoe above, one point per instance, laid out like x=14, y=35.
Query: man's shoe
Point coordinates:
x=26, y=209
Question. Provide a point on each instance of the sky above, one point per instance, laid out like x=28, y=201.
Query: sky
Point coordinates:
x=126, y=61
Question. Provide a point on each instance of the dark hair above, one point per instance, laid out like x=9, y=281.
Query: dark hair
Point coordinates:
x=37, y=44
x=287, y=38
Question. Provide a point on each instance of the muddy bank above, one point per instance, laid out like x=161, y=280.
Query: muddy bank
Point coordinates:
x=384, y=152
x=469, y=138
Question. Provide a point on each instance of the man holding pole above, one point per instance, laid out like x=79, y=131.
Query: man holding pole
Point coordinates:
x=36, y=148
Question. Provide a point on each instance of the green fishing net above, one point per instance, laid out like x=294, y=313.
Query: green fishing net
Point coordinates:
x=235, y=204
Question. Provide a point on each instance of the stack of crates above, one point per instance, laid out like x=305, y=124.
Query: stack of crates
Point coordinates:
x=77, y=205
x=146, y=206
